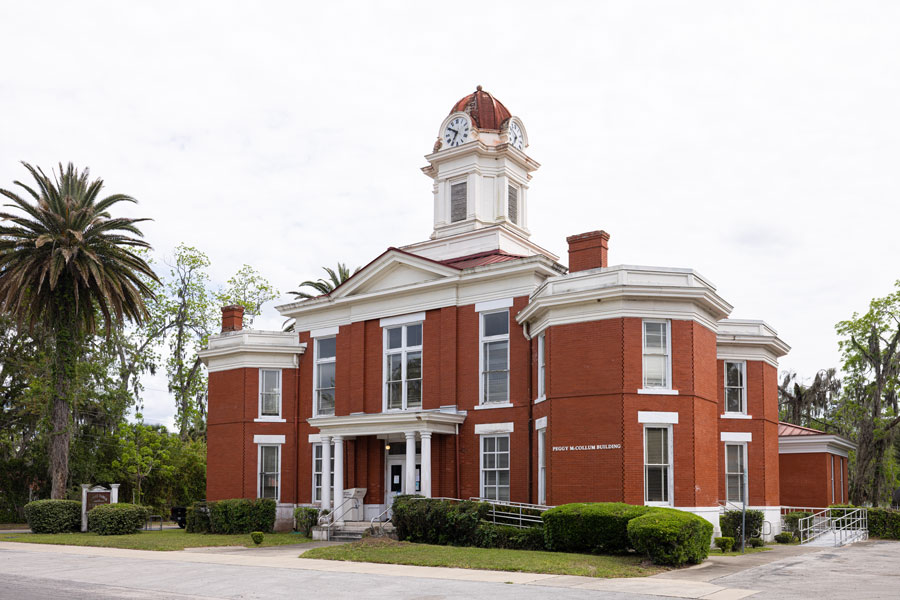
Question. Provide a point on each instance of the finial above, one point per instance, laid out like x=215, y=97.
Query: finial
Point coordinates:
x=477, y=88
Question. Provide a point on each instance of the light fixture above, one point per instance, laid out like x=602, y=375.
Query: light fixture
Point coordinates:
x=387, y=446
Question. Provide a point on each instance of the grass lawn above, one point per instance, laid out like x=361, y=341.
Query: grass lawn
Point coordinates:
x=559, y=563
x=747, y=550
x=167, y=539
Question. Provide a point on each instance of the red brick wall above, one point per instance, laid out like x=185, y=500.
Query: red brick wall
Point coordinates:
x=805, y=479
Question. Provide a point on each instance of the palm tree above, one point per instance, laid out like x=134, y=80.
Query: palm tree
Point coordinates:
x=325, y=286
x=62, y=264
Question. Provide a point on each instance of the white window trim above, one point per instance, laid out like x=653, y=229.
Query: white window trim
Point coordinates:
x=403, y=351
x=268, y=444
x=735, y=416
x=657, y=418
x=832, y=478
x=671, y=453
x=541, y=369
x=494, y=428
x=735, y=436
x=745, y=479
x=493, y=305
x=315, y=378
x=744, y=402
x=658, y=390
x=493, y=405
x=481, y=460
x=313, y=472
x=261, y=418
x=408, y=319
x=482, y=340
x=542, y=464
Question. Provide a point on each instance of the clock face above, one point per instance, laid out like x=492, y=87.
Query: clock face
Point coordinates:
x=456, y=132
x=514, y=136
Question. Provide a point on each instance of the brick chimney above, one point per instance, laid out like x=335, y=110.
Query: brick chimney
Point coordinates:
x=588, y=250
x=232, y=318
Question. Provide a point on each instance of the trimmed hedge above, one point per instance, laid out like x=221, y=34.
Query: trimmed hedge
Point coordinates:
x=883, y=522
x=590, y=527
x=53, y=516
x=730, y=523
x=785, y=537
x=508, y=537
x=438, y=521
x=197, y=518
x=725, y=544
x=241, y=515
x=117, y=519
x=792, y=520
x=305, y=518
x=671, y=537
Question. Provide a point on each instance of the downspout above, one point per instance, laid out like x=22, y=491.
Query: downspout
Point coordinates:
x=297, y=433
x=456, y=444
x=526, y=331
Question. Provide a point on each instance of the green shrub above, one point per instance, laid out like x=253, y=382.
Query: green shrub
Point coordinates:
x=53, y=516
x=882, y=522
x=792, y=520
x=725, y=544
x=257, y=537
x=197, y=518
x=430, y=521
x=590, y=527
x=241, y=515
x=117, y=519
x=507, y=537
x=756, y=542
x=671, y=537
x=785, y=537
x=305, y=518
x=730, y=522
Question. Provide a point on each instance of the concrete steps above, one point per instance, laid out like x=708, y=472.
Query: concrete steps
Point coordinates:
x=352, y=531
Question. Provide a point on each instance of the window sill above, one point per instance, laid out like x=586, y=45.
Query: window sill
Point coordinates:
x=317, y=415
x=497, y=405
x=736, y=416
x=269, y=420
x=661, y=504
x=659, y=392
x=539, y=400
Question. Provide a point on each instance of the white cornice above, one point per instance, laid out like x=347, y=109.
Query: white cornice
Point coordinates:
x=744, y=339
x=624, y=291
x=389, y=422
x=808, y=444
x=250, y=348
x=492, y=236
x=480, y=149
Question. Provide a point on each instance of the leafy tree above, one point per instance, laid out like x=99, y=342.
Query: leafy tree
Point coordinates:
x=870, y=349
x=808, y=405
x=249, y=289
x=325, y=286
x=143, y=451
x=60, y=262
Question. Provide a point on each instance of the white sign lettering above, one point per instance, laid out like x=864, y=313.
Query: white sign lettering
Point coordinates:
x=587, y=447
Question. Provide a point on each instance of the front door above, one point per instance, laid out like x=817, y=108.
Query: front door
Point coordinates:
x=395, y=485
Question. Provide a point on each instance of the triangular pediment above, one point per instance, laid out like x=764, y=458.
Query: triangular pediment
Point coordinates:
x=393, y=269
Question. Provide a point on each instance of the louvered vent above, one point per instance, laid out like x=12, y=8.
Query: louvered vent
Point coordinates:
x=512, y=209
x=458, y=202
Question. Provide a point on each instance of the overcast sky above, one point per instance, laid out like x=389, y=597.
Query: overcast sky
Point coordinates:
x=755, y=142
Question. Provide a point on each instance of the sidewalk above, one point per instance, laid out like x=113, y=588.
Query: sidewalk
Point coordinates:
x=684, y=583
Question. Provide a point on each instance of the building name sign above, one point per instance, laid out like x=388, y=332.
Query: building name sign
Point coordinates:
x=587, y=447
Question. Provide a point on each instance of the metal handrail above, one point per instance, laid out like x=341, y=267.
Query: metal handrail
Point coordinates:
x=379, y=520
x=851, y=526
x=328, y=520
x=514, y=514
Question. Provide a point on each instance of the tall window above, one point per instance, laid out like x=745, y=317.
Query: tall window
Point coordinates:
x=657, y=465
x=542, y=466
x=541, y=383
x=324, y=375
x=512, y=203
x=832, y=478
x=458, y=208
x=657, y=366
x=269, y=393
x=268, y=471
x=495, y=357
x=403, y=366
x=734, y=472
x=495, y=467
x=317, y=472
x=735, y=388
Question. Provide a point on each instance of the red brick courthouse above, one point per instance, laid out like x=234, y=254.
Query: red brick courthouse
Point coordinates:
x=476, y=364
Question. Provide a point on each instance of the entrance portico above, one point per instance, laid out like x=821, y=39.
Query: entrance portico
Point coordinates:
x=408, y=428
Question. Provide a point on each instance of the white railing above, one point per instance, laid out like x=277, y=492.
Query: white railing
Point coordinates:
x=516, y=514
x=852, y=526
x=845, y=524
x=328, y=520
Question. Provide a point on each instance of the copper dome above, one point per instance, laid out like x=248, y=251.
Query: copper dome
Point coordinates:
x=485, y=111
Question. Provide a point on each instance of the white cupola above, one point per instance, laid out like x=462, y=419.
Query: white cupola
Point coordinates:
x=480, y=169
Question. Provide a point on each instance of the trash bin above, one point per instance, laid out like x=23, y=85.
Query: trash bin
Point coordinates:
x=353, y=511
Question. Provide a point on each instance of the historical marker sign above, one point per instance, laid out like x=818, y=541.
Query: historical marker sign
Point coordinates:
x=95, y=499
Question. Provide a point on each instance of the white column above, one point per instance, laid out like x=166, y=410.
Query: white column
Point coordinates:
x=410, y=463
x=84, y=489
x=326, y=472
x=338, y=476
x=114, y=493
x=426, y=463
